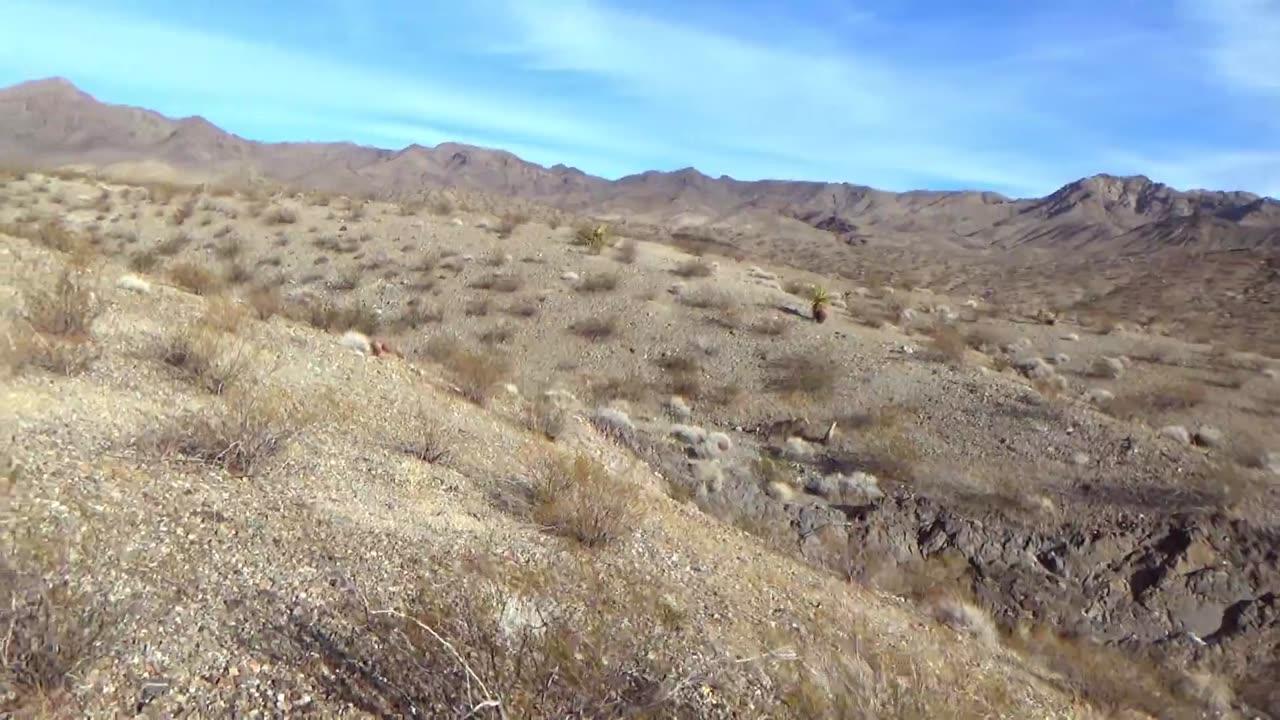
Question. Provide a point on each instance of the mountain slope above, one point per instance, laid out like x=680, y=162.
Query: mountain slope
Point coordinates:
x=52, y=123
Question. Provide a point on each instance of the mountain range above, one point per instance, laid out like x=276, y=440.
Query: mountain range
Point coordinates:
x=52, y=123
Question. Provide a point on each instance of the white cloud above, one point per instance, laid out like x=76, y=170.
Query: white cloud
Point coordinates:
x=1244, y=41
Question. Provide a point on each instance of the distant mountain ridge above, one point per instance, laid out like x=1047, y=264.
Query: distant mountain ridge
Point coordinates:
x=51, y=122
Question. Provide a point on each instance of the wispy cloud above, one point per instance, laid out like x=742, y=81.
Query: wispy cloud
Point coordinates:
x=894, y=95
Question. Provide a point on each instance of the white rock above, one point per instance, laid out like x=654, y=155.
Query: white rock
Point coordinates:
x=1080, y=459
x=797, y=449
x=1059, y=359
x=569, y=276
x=1273, y=373
x=458, y=222
x=1071, y=337
x=688, y=434
x=511, y=389
x=1177, y=433
x=861, y=484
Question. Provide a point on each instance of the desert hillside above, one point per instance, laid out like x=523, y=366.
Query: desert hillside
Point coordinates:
x=306, y=454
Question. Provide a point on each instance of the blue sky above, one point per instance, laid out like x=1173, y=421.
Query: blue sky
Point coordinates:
x=1009, y=95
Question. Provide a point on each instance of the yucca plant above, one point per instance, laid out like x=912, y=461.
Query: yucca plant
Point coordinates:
x=821, y=300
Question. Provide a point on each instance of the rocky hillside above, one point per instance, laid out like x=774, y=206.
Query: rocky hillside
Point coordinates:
x=52, y=123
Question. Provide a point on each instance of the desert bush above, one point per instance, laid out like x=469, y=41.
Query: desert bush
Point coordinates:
x=184, y=211
x=194, y=277
x=497, y=335
x=547, y=416
x=53, y=633
x=477, y=308
x=1147, y=404
x=580, y=498
x=524, y=308
x=240, y=435
x=236, y=273
x=325, y=314
x=599, y=282
x=416, y=316
x=68, y=309
x=694, y=268
x=772, y=326
x=143, y=261
x=223, y=313
x=265, y=301
x=440, y=206
x=174, y=244
x=594, y=237
x=501, y=282
x=706, y=297
x=229, y=248
x=427, y=441
x=509, y=221
x=947, y=344
x=596, y=327
x=21, y=347
x=210, y=359
x=475, y=373
x=801, y=374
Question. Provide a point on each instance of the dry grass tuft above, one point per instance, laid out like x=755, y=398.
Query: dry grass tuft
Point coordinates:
x=210, y=359
x=249, y=428
x=279, y=216
x=706, y=297
x=509, y=222
x=547, y=417
x=581, y=499
x=501, y=282
x=801, y=374
x=596, y=327
x=599, y=282
x=325, y=314
x=947, y=344
x=1149, y=404
x=194, y=277
x=52, y=633
x=772, y=326
x=694, y=268
x=68, y=309
x=427, y=441
x=476, y=374
x=265, y=301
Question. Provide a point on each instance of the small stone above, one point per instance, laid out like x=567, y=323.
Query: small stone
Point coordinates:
x=1080, y=458
x=1071, y=337
x=511, y=389
x=569, y=276
x=1097, y=396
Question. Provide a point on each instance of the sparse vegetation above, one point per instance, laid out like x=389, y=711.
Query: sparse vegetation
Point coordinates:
x=599, y=282
x=801, y=374
x=194, y=277
x=694, y=268
x=240, y=435
x=596, y=327
x=579, y=498
x=509, y=222
x=475, y=374
x=212, y=360
x=627, y=252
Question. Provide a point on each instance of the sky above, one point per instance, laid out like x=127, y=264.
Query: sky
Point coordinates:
x=1015, y=96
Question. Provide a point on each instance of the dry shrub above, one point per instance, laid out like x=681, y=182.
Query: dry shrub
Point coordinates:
x=280, y=216
x=1109, y=677
x=772, y=326
x=194, y=277
x=223, y=313
x=627, y=252
x=49, y=233
x=500, y=334
x=477, y=308
x=143, y=261
x=1147, y=404
x=581, y=499
x=475, y=374
x=595, y=327
x=68, y=309
x=632, y=388
x=229, y=248
x=427, y=441
x=886, y=447
x=706, y=297
x=509, y=221
x=174, y=244
x=947, y=344
x=325, y=314
x=239, y=435
x=183, y=212
x=236, y=273
x=500, y=282
x=990, y=338
x=694, y=268
x=547, y=417
x=440, y=206
x=524, y=308
x=599, y=282
x=22, y=347
x=801, y=374
x=52, y=633
x=416, y=316
x=210, y=359
x=265, y=301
